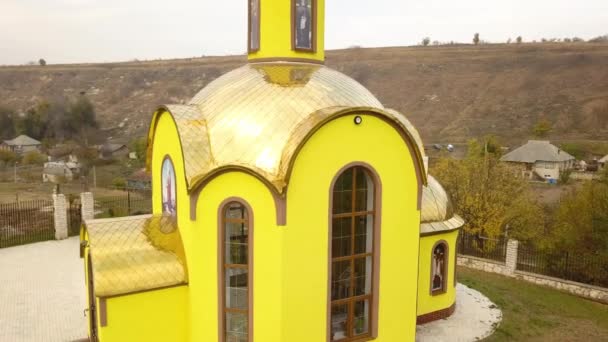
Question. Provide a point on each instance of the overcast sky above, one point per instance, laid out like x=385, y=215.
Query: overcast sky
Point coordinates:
x=72, y=31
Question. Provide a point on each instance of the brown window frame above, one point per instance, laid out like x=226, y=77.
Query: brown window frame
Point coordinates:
x=222, y=266
x=372, y=297
x=446, y=271
x=249, y=31
x=313, y=28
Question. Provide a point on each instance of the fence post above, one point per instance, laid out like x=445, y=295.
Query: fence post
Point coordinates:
x=87, y=206
x=60, y=216
x=511, y=259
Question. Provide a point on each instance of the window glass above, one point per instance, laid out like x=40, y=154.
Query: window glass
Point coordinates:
x=352, y=234
x=235, y=265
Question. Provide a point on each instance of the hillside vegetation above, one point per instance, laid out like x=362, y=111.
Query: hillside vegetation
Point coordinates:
x=451, y=93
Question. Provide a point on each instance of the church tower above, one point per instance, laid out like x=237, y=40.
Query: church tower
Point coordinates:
x=286, y=30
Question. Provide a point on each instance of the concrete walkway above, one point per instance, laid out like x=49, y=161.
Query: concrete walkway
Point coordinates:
x=42, y=292
x=42, y=298
x=475, y=318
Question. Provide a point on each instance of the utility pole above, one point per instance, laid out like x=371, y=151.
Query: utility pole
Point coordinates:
x=94, y=178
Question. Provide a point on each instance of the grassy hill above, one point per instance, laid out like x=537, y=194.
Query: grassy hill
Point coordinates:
x=451, y=93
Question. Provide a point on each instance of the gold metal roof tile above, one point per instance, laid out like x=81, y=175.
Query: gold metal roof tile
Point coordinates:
x=256, y=117
x=437, y=213
x=136, y=253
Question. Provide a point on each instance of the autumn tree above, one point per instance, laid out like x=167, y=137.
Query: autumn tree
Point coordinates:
x=139, y=146
x=7, y=157
x=33, y=158
x=582, y=219
x=542, y=128
x=81, y=119
x=476, y=39
x=488, y=195
x=7, y=123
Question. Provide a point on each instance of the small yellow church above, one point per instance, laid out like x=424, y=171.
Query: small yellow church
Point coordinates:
x=288, y=205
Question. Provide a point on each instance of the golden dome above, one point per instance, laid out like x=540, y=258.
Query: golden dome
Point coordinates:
x=257, y=116
x=437, y=213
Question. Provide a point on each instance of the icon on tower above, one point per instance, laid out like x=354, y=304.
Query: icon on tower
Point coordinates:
x=254, y=25
x=304, y=24
x=168, y=186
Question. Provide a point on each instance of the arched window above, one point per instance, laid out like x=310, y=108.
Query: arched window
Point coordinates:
x=352, y=254
x=235, y=282
x=439, y=268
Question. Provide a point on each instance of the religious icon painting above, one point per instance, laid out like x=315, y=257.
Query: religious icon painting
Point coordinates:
x=254, y=25
x=303, y=24
x=168, y=187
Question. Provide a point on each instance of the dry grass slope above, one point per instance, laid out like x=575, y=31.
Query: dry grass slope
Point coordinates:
x=449, y=92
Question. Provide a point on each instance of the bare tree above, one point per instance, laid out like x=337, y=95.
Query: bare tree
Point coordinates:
x=509, y=41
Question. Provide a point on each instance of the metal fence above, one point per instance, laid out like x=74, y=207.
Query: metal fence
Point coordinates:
x=74, y=215
x=583, y=268
x=131, y=203
x=21, y=174
x=482, y=247
x=26, y=222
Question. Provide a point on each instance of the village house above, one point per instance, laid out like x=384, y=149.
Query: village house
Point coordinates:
x=61, y=171
x=540, y=159
x=109, y=151
x=603, y=162
x=21, y=145
x=139, y=180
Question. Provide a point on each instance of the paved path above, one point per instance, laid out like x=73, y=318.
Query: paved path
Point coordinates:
x=475, y=317
x=42, y=298
x=42, y=292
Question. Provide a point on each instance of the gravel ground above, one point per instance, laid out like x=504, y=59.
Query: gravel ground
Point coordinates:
x=475, y=317
x=42, y=292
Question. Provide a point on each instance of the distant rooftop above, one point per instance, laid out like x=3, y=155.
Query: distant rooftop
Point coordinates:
x=537, y=150
x=22, y=140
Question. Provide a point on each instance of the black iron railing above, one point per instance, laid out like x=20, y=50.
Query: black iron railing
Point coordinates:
x=590, y=268
x=482, y=247
x=130, y=203
x=26, y=222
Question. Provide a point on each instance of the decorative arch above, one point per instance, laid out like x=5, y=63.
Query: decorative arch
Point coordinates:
x=327, y=115
x=236, y=264
x=440, y=261
x=280, y=202
x=370, y=326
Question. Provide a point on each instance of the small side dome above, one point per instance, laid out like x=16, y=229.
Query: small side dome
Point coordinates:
x=437, y=213
x=436, y=204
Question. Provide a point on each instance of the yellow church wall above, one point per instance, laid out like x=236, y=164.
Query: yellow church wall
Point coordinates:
x=157, y=315
x=305, y=254
x=426, y=302
x=85, y=258
x=266, y=261
x=275, y=32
